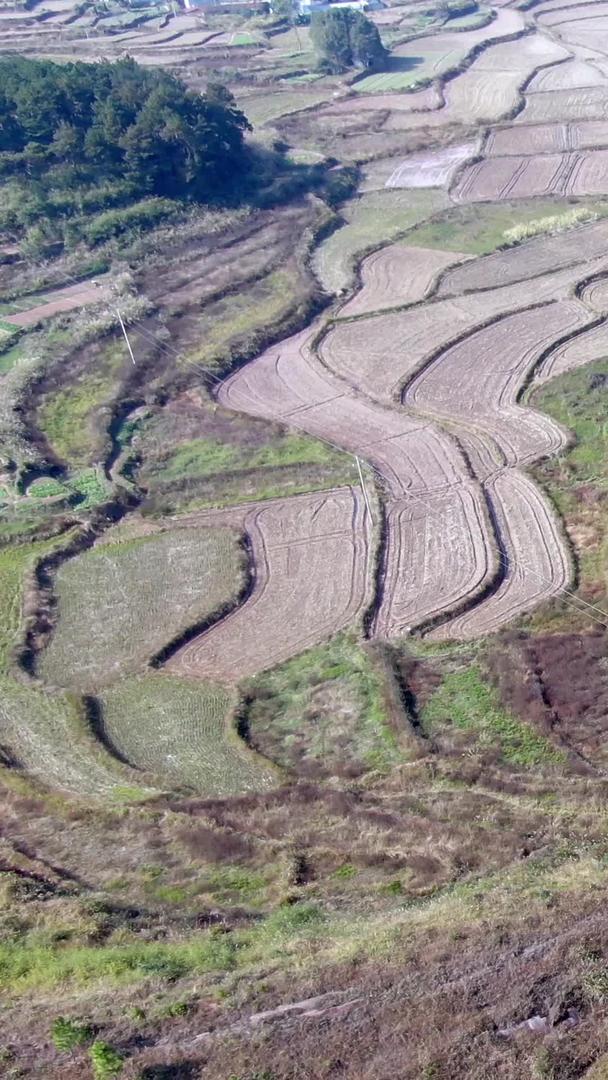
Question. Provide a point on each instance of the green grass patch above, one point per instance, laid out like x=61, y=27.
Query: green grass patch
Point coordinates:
x=89, y=487
x=210, y=457
x=324, y=708
x=9, y=354
x=303, y=936
x=370, y=220
x=480, y=229
x=264, y=108
x=119, y=603
x=552, y=224
x=15, y=562
x=465, y=701
x=577, y=481
x=239, y=320
x=46, y=487
x=66, y=415
x=46, y=734
x=181, y=732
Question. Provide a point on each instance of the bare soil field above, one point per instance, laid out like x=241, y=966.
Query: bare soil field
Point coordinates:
x=525, y=177
x=515, y=177
x=555, y=106
x=378, y=353
x=434, y=55
x=58, y=300
x=312, y=578
x=588, y=346
x=288, y=383
x=476, y=382
x=489, y=89
x=438, y=554
x=422, y=101
x=396, y=275
x=534, y=558
x=432, y=169
x=539, y=256
x=546, y=138
x=595, y=295
x=567, y=76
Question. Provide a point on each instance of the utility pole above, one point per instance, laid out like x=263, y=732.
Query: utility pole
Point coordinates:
x=363, y=488
x=126, y=336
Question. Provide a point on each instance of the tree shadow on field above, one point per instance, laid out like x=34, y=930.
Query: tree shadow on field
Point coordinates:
x=402, y=63
x=184, y=1070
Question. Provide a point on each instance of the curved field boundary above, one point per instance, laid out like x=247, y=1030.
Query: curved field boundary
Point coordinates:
x=537, y=257
x=436, y=557
x=535, y=557
x=413, y=459
x=379, y=353
x=476, y=384
x=398, y=274
x=312, y=578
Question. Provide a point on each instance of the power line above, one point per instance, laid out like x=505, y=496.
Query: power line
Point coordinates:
x=289, y=421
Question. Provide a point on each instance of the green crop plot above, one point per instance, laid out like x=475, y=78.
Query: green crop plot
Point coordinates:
x=14, y=565
x=119, y=603
x=180, y=731
x=45, y=734
x=66, y=415
x=480, y=229
x=263, y=108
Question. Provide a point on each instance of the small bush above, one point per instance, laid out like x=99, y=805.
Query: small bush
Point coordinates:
x=106, y=1061
x=67, y=1034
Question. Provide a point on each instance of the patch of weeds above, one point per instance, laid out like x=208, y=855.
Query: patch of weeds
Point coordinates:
x=46, y=487
x=577, y=481
x=172, y=1009
x=392, y=888
x=89, y=488
x=323, y=710
x=68, y=1034
x=542, y=1066
x=595, y=979
x=466, y=701
x=345, y=872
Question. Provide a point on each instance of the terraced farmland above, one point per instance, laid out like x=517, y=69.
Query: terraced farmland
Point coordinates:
x=181, y=732
x=120, y=603
x=296, y=543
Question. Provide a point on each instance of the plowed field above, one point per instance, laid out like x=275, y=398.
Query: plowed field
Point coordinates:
x=477, y=381
x=437, y=555
x=534, y=558
x=312, y=567
x=526, y=177
x=395, y=275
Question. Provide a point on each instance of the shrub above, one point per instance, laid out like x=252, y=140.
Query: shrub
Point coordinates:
x=106, y=1061
x=67, y=1034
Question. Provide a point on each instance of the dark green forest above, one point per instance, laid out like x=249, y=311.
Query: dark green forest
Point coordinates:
x=79, y=139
